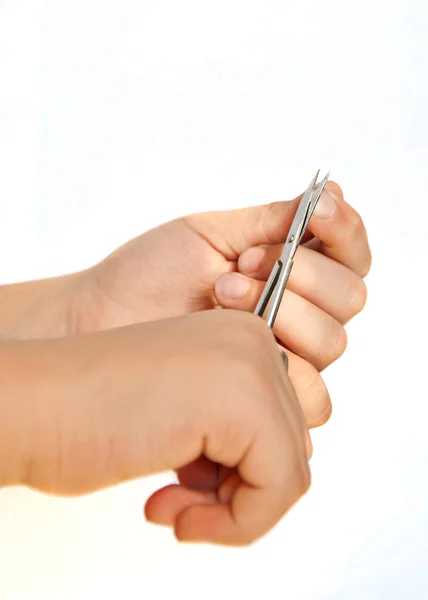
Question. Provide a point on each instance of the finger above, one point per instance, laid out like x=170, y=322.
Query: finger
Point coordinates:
x=273, y=475
x=308, y=384
x=311, y=395
x=341, y=231
x=291, y=403
x=233, y=231
x=301, y=417
x=311, y=391
x=338, y=226
x=300, y=326
x=164, y=506
x=335, y=289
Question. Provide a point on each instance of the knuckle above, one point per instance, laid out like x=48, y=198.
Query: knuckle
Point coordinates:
x=356, y=231
x=318, y=407
x=322, y=412
x=356, y=225
x=366, y=265
x=331, y=344
x=337, y=343
x=322, y=406
x=358, y=297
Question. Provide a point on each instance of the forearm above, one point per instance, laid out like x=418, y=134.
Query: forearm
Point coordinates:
x=38, y=309
x=19, y=405
x=37, y=380
x=67, y=405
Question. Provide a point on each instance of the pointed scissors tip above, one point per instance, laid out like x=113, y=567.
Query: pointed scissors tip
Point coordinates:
x=320, y=186
x=326, y=178
x=317, y=191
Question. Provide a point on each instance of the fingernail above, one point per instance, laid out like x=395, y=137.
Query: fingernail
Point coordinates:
x=326, y=206
x=233, y=286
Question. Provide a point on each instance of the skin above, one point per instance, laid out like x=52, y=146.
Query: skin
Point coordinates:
x=193, y=264
x=112, y=406
x=186, y=266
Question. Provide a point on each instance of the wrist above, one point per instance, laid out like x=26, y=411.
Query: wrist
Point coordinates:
x=94, y=310
x=90, y=307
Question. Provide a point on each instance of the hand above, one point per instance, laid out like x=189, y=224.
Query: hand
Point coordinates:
x=224, y=258
x=206, y=395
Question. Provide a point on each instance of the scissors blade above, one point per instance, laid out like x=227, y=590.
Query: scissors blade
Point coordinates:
x=294, y=235
x=314, y=201
x=298, y=227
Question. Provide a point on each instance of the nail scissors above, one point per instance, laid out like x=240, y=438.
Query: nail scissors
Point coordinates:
x=278, y=279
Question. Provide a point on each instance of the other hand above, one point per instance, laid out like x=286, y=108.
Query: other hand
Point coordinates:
x=205, y=395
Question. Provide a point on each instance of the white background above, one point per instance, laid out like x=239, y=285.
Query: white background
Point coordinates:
x=118, y=115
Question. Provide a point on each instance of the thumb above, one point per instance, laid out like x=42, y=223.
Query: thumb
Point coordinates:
x=231, y=232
